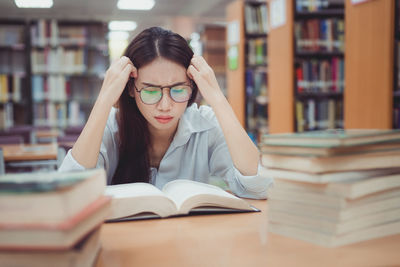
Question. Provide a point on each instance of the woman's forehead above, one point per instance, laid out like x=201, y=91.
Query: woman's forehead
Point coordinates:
x=162, y=71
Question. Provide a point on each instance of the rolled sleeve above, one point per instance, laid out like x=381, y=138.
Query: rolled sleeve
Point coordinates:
x=70, y=164
x=221, y=165
x=254, y=186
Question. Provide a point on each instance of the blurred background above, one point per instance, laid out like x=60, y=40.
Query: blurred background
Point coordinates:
x=284, y=65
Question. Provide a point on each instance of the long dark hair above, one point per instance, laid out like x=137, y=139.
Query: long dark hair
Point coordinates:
x=134, y=137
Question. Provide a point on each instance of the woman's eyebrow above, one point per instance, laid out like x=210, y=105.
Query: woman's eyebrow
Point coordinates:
x=172, y=85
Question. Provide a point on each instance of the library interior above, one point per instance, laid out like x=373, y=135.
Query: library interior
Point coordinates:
x=315, y=84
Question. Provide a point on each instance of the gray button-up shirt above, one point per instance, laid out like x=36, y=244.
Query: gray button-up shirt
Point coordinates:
x=197, y=152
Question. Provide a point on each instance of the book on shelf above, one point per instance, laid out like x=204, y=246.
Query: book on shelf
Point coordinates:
x=51, y=33
x=311, y=119
x=256, y=19
x=333, y=138
x=10, y=88
x=320, y=76
x=12, y=35
x=257, y=52
x=59, y=60
x=75, y=115
x=6, y=116
x=319, y=35
x=314, y=114
x=317, y=5
x=4, y=88
x=83, y=254
x=178, y=197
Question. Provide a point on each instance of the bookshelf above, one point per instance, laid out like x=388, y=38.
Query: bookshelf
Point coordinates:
x=247, y=81
x=306, y=67
x=68, y=62
x=13, y=73
x=213, y=40
x=319, y=64
x=396, y=73
x=368, y=73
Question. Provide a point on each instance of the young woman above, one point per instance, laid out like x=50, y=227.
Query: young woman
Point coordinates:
x=144, y=126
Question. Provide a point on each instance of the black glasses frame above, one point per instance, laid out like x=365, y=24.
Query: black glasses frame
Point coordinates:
x=162, y=92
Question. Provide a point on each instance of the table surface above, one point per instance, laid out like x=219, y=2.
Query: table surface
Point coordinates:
x=52, y=133
x=29, y=152
x=229, y=240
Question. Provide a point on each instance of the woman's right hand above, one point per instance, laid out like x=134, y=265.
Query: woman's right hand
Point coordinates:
x=116, y=78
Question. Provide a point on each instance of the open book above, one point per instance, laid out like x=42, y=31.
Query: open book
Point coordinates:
x=178, y=197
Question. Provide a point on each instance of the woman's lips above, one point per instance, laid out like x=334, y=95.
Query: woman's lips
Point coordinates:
x=163, y=119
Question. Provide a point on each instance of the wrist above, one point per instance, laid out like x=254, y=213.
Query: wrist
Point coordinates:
x=104, y=100
x=216, y=99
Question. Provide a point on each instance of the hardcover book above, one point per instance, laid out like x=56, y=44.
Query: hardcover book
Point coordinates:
x=332, y=138
x=178, y=197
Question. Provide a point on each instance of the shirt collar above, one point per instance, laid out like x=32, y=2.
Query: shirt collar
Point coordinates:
x=191, y=122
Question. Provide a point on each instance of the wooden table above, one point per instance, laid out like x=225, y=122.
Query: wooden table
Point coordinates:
x=46, y=136
x=25, y=152
x=230, y=240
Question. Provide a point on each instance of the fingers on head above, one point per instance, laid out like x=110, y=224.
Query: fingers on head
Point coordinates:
x=125, y=61
x=192, y=71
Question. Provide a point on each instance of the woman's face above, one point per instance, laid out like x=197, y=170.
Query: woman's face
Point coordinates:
x=165, y=114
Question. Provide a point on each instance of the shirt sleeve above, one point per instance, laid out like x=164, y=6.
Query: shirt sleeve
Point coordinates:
x=221, y=165
x=108, y=156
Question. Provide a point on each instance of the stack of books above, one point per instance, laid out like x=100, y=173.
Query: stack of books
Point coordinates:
x=52, y=219
x=333, y=187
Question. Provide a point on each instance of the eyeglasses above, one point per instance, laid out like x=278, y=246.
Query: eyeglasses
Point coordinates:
x=152, y=94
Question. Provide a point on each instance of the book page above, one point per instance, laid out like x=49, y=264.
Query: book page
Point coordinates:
x=188, y=194
x=134, y=189
x=136, y=198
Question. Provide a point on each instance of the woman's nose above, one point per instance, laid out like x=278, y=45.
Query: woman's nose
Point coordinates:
x=165, y=101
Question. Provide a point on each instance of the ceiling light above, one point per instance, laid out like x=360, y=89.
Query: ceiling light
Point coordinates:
x=34, y=3
x=118, y=36
x=135, y=4
x=121, y=25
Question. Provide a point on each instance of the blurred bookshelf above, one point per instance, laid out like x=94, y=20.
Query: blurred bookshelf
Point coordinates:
x=247, y=83
x=68, y=63
x=213, y=43
x=319, y=64
x=256, y=30
x=13, y=73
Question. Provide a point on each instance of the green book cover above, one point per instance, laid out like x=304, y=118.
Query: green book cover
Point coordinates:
x=42, y=182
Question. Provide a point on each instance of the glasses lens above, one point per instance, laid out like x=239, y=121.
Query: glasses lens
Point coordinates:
x=150, y=95
x=181, y=93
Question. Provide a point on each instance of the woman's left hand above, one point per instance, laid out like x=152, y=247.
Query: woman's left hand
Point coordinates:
x=204, y=77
